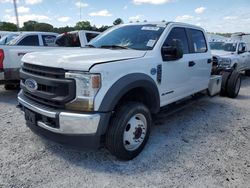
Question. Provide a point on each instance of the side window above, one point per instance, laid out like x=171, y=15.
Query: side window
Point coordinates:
x=31, y=40
x=198, y=41
x=241, y=48
x=90, y=36
x=48, y=40
x=179, y=34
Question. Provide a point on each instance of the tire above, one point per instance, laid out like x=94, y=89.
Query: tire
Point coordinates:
x=233, y=86
x=225, y=78
x=247, y=72
x=123, y=135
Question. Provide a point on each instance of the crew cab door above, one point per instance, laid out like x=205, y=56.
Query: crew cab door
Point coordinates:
x=176, y=74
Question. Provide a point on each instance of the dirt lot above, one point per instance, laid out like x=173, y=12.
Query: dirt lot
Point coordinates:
x=206, y=144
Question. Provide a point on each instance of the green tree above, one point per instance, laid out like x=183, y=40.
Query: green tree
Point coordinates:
x=6, y=26
x=29, y=26
x=83, y=25
x=43, y=27
x=118, y=21
x=103, y=28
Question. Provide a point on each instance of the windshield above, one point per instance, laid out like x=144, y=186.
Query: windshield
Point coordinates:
x=137, y=37
x=6, y=39
x=229, y=47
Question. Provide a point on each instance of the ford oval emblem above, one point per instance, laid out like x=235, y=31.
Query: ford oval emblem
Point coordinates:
x=31, y=85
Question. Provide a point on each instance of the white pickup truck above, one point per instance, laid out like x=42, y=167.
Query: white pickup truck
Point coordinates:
x=11, y=54
x=76, y=38
x=35, y=42
x=232, y=54
x=105, y=95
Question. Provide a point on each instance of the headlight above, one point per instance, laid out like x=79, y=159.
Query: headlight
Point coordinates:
x=87, y=86
x=225, y=62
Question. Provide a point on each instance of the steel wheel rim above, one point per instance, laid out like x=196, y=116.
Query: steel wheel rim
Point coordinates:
x=135, y=132
x=237, y=87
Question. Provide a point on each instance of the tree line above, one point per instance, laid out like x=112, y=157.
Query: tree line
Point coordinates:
x=37, y=26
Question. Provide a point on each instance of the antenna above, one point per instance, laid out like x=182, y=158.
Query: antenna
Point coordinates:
x=80, y=6
x=17, y=20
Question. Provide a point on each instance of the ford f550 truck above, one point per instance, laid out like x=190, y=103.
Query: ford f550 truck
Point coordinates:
x=106, y=94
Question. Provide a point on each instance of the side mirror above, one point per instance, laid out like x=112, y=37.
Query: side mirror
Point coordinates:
x=173, y=52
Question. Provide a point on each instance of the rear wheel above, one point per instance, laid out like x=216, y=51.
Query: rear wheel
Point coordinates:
x=234, y=84
x=129, y=131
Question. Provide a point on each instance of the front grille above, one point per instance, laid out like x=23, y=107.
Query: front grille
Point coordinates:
x=53, y=89
x=50, y=72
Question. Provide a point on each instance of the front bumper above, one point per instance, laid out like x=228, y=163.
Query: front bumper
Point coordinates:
x=76, y=128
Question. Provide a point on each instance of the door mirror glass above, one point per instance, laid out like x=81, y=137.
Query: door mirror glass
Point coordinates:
x=172, y=52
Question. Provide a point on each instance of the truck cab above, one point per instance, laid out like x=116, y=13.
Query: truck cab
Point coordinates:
x=105, y=94
x=231, y=54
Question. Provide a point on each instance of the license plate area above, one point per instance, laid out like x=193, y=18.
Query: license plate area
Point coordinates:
x=30, y=117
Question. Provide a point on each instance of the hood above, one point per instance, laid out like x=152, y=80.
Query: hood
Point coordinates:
x=222, y=53
x=79, y=59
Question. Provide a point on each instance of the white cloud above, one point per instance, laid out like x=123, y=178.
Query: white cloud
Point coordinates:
x=125, y=7
x=136, y=18
x=8, y=11
x=23, y=9
x=199, y=10
x=230, y=18
x=183, y=18
x=63, y=19
x=26, y=17
x=6, y=1
x=81, y=5
x=103, y=13
x=33, y=2
x=154, y=2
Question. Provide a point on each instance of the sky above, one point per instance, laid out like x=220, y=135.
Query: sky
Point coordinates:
x=225, y=16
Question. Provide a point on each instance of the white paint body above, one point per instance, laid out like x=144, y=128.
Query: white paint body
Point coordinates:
x=239, y=60
x=177, y=76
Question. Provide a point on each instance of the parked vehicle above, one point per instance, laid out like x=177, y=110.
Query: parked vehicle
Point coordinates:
x=8, y=38
x=12, y=53
x=231, y=54
x=75, y=38
x=4, y=33
x=106, y=94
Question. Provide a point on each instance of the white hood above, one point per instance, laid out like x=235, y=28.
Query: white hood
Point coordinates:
x=79, y=59
x=221, y=53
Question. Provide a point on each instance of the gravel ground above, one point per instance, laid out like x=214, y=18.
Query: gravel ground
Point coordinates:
x=206, y=144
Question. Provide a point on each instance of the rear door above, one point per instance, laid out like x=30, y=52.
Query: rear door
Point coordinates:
x=200, y=57
x=243, y=56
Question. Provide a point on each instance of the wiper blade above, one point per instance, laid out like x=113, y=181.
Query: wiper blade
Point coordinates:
x=114, y=46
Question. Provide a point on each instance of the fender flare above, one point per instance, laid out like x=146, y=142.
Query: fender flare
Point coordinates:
x=126, y=84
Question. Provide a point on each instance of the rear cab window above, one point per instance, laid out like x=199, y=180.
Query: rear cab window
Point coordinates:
x=31, y=40
x=68, y=40
x=197, y=40
x=48, y=40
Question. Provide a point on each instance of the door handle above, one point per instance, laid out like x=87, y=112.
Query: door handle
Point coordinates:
x=191, y=63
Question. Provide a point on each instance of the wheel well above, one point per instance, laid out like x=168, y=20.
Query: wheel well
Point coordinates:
x=138, y=94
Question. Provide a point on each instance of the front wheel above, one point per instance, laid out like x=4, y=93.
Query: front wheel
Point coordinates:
x=129, y=130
